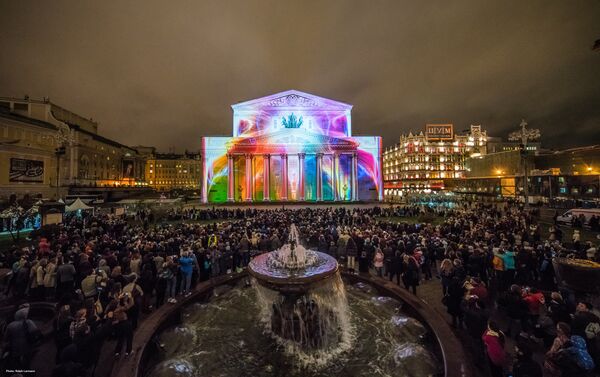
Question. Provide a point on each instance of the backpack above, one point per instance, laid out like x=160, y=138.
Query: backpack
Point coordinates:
x=592, y=330
x=498, y=263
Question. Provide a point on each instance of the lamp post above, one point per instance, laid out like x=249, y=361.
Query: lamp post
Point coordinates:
x=524, y=135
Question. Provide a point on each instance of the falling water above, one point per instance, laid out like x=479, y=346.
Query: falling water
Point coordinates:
x=320, y=340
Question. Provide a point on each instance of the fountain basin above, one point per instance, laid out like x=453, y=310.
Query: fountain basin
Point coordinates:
x=292, y=281
x=455, y=360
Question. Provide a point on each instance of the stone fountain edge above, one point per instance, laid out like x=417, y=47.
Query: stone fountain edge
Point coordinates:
x=452, y=351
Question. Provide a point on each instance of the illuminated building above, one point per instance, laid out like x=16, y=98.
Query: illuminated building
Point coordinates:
x=38, y=135
x=171, y=171
x=571, y=174
x=424, y=161
x=291, y=146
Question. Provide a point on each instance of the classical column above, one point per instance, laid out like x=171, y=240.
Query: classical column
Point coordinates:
x=336, y=171
x=249, y=178
x=266, y=174
x=354, y=177
x=204, y=182
x=230, y=179
x=301, y=176
x=319, y=177
x=284, y=176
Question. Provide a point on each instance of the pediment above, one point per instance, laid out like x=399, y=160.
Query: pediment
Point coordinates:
x=293, y=137
x=291, y=99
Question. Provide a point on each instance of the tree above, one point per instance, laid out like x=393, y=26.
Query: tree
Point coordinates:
x=17, y=216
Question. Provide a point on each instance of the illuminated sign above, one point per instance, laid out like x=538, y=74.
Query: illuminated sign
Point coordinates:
x=439, y=132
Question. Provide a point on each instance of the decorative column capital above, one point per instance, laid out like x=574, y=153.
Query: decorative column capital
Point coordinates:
x=266, y=155
x=283, y=155
x=301, y=155
x=248, y=155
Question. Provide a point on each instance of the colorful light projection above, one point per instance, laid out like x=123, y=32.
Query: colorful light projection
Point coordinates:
x=304, y=141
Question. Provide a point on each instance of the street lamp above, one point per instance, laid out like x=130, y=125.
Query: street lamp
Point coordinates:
x=524, y=135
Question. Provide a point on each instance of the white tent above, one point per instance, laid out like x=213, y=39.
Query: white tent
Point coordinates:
x=77, y=204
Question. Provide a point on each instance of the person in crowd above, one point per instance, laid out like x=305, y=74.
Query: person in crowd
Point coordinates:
x=117, y=314
x=410, y=277
x=133, y=291
x=558, y=309
x=494, y=341
x=169, y=275
x=62, y=326
x=516, y=310
x=378, y=262
x=524, y=365
x=446, y=274
x=186, y=267
x=20, y=337
x=582, y=319
x=552, y=362
x=454, y=299
x=535, y=301
x=476, y=320
x=65, y=277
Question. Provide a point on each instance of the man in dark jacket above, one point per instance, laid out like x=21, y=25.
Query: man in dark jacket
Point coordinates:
x=19, y=339
x=476, y=319
x=524, y=365
x=516, y=309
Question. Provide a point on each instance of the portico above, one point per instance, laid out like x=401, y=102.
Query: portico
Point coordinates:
x=291, y=146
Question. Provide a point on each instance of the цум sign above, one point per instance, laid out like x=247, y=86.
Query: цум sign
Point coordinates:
x=22, y=170
x=439, y=132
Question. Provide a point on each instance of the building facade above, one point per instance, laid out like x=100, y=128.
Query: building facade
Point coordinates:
x=41, y=141
x=571, y=174
x=427, y=160
x=171, y=171
x=291, y=146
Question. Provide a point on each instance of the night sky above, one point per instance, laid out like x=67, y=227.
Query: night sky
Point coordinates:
x=165, y=73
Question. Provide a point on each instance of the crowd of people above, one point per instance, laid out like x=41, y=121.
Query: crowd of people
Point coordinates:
x=104, y=272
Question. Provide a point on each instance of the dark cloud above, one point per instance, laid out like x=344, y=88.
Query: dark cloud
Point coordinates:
x=164, y=74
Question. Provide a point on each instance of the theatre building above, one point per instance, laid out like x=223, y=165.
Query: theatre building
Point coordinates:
x=291, y=146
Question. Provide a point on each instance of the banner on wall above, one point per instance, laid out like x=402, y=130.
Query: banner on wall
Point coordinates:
x=127, y=169
x=22, y=170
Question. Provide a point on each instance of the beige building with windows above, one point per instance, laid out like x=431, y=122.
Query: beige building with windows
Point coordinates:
x=171, y=171
x=38, y=135
x=424, y=161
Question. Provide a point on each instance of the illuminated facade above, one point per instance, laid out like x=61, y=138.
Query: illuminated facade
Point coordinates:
x=424, y=161
x=170, y=171
x=291, y=146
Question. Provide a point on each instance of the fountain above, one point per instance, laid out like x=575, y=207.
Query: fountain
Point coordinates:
x=298, y=319
x=302, y=295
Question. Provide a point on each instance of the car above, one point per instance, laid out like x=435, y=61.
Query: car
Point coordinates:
x=568, y=216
